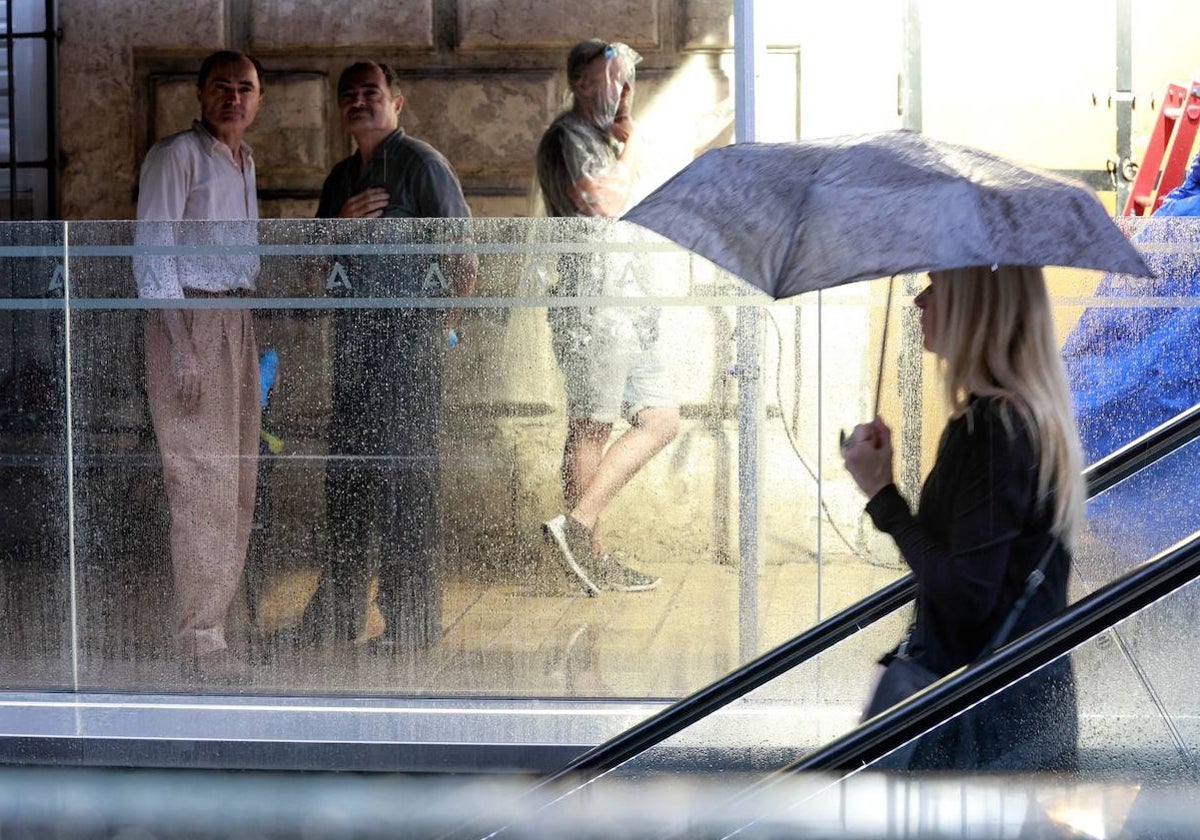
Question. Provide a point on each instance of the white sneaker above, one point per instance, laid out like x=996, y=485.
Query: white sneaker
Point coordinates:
x=574, y=544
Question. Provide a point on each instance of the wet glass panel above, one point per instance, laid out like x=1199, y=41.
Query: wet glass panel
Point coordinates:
x=122, y=559
x=404, y=474
x=1124, y=721
x=1130, y=353
x=1097, y=716
x=1146, y=513
x=871, y=363
x=397, y=539
x=1131, y=350
x=35, y=580
x=777, y=723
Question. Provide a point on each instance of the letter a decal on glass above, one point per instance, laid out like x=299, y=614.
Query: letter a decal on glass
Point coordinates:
x=435, y=281
x=338, y=279
x=56, y=280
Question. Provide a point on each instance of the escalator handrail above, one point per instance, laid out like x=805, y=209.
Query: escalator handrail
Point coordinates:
x=1103, y=609
x=1136, y=455
x=1156, y=444
x=750, y=676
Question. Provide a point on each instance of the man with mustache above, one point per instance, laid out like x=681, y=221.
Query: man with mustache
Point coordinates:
x=382, y=478
x=202, y=363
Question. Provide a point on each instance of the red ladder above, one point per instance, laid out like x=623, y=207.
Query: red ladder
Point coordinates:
x=1172, y=137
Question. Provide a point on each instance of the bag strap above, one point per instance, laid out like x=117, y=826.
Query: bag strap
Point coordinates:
x=1031, y=586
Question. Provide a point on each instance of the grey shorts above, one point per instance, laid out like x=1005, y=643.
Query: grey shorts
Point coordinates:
x=607, y=380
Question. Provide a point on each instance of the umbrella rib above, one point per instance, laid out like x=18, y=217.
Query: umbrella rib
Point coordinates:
x=887, y=315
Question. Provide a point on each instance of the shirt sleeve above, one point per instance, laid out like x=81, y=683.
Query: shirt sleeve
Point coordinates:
x=990, y=495
x=552, y=175
x=573, y=163
x=162, y=198
x=585, y=156
x=439, y=194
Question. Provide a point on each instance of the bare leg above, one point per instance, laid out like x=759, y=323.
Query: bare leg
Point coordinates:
x=581, y=457
x=652, y=430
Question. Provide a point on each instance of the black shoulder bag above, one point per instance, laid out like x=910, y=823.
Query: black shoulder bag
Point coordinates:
x=905, y=676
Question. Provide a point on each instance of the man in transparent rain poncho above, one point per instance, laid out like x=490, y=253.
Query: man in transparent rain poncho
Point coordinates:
x=610, y=357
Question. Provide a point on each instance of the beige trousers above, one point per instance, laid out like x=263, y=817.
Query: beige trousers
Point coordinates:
x=209, y=461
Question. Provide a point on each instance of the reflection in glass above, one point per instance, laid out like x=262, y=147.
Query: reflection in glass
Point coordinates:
x=35, y=595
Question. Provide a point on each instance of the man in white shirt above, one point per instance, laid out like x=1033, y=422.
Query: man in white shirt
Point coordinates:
x=202, y=363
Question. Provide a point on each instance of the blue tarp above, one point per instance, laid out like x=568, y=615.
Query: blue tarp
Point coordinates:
x=1133, y=368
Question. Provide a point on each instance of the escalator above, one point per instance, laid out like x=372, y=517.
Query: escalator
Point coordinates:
x=1127, y=633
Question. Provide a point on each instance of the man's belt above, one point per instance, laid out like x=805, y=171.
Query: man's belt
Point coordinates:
x=205, y=293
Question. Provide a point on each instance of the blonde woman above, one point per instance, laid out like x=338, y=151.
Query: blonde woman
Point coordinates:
x=1004, y=492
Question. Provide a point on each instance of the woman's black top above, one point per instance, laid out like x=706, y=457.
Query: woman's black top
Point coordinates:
x=977, y=534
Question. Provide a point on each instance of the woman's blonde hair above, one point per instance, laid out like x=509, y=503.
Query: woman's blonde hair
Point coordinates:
x=995, y=337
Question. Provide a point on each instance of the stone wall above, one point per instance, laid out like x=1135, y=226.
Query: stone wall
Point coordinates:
x=482, y=79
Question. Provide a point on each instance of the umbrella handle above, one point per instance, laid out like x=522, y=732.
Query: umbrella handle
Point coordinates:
x=844, y=440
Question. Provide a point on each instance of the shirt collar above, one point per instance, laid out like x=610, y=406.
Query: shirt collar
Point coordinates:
x=391, y=140
x=211, y=143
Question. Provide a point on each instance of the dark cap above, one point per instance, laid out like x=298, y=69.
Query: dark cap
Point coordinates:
x=583, y=54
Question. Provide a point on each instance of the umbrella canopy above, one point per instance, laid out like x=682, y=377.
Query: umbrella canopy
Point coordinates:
x=795, y=217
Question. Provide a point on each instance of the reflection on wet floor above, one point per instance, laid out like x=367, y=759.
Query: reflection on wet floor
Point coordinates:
x=539, y=635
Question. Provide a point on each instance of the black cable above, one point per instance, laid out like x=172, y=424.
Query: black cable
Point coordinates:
x=792, y=441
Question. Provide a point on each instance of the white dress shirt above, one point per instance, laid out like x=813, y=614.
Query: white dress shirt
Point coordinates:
x=196, y=194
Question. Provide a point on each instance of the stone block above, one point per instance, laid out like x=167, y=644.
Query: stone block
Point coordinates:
x=101, y=170
x=287, y=208
x=500, y=206
x=488, y=125
x=707, y=24
x=97, y=27
x=404, y=24
x=290, y=136
x=493, y=24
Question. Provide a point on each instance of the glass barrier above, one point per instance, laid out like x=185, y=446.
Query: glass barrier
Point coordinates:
x=1115, y=712
x=362, y=506
x=788, y=717
x=1114, y=709
x=1146, y=513
x=1131, y=358
x=37, y=596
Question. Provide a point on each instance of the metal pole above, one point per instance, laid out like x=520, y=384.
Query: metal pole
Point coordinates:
x=910, y=74
x=911, y=379
x=748, y=48
x=1124, y=98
